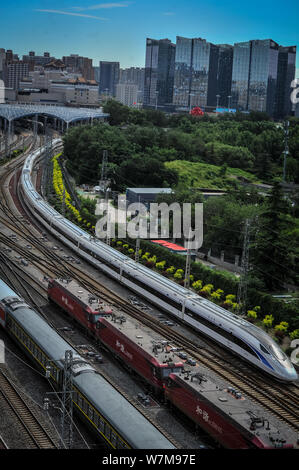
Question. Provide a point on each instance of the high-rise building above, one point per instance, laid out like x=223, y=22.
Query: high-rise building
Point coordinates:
x=135, y=76
x=96, y=72
x=34, y=60
x=127, y=94
x=261, y=77
x=224, y=74
x=285, y=75
x=78, y=64
x=2, y=61
x=159, y=72
x=196, y=70
x=109, y=77
x=13, y=73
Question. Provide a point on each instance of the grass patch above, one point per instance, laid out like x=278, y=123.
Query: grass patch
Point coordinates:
x=204, y=175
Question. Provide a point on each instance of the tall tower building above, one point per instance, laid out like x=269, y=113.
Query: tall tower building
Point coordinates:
x=127, y=93
x=196, y=69
x=79, y=64
x=224, y=74
x=263, y=76
x=14, y=72
x=159, y=72
x=240, y=75
x=109, y=77
x=286, y=71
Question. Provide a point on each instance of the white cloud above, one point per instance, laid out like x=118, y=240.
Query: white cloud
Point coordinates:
x=59, y=12
x=104, y=6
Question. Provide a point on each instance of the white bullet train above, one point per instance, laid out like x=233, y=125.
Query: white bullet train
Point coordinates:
x=236, y=334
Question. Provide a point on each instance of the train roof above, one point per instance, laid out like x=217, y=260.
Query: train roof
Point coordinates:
x=148, y=340
x=232, y=405
x=121, y=414
x=45, y=337
x=82, y=294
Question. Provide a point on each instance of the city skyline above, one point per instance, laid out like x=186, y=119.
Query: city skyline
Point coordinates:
x=117, y=31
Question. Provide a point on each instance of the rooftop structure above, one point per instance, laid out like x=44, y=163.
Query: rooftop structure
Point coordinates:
x=148, y=340
x=66, y=114
x=227, y=411
x=145, y=195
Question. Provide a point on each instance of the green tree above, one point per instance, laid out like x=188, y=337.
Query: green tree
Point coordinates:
x=272, y=257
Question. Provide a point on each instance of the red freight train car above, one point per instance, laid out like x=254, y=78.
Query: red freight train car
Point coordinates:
x=77, y=302
x=230, y=418
x=143, y=350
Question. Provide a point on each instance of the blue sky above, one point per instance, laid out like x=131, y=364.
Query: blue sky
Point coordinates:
x=117, y=30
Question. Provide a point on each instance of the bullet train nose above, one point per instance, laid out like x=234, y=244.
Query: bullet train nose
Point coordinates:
x=290, y=372
x=293, y=376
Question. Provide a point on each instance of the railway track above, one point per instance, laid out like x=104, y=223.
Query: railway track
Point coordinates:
x=34, y=435
x=281, y=400
x=15, y=281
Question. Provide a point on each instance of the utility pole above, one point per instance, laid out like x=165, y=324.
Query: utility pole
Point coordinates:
x=137, y=254
x=137, y=249
x=104, y=182
x=63, y=202
x=108, y=237
x=188, y=264
x=286, y=148
x=242, y=288
x=67, y=401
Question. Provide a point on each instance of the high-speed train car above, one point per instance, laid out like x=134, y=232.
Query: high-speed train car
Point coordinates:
x=234, y=333
x=103, y=408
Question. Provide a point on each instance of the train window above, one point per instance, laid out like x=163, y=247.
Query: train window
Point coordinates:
x=113, y=439
x=165, y=372
x=102, y=426
x=121, y=444
x=264, y=349
x=96, y=419
x=90, y=413
x=80, y=401
x=108, y=432
x=84, y=406
x=278, y=352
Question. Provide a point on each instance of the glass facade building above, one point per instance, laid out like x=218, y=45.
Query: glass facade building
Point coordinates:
x=255, y=75
x=182, y=73
x=240, y=75
x=196, y=73
x=285, y=75
x=224, y=74
x=159, y=72
x=261, y=77
x=109, y=77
